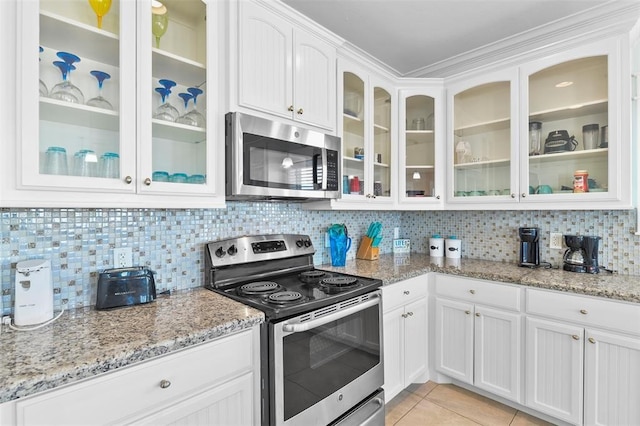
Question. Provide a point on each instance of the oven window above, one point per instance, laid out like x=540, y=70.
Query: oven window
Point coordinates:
x=320, y=361
x=275, y=163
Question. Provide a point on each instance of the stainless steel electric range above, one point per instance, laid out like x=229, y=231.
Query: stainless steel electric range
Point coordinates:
x=321, y=343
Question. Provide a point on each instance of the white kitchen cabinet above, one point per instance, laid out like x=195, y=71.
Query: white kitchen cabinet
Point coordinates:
x=476, y=343
x=283, y=69
x=421, y=148
x=612, y=378
x=212, y=383
x=405, y=334
x=491, y=163
x=554, y=353
x=124, y=49
x=568, y=332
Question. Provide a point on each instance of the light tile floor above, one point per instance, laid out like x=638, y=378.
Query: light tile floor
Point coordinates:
x=434, y=404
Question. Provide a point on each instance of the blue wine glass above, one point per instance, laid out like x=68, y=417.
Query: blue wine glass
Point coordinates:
x=194, y=115
x=65, y=90
x=185, y=119
x=99, y=101
x=165, y=111
x=43, y=87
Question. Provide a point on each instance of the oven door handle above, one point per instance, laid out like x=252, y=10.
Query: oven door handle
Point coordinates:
x=305, y=326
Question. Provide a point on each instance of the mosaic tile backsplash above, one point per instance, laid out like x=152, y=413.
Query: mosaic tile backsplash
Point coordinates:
x=80, y=242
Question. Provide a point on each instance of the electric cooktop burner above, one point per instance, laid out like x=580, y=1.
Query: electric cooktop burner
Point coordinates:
x=284, y=297
x=259, y=288
x=311, y=276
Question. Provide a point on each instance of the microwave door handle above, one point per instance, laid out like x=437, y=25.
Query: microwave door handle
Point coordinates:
x=305, y=326
x=323, y=156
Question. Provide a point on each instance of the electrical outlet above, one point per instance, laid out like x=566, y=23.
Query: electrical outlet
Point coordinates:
x=122, y=257
x=555, y=240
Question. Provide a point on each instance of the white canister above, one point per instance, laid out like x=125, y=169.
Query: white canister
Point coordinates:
x=436, y=246
x=453, y=247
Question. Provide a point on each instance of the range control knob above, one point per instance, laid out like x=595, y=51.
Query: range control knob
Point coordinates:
x=232, y=250
x=220, y=252
x=307, y=243
x=299, y=243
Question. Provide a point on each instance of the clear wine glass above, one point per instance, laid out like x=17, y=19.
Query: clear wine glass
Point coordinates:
x=99, y=101
x=101, y=8
x=185, y=119
x=159, y=20
x=65, y=90
x=194, y=115
x=43, y=87
x=166, y=111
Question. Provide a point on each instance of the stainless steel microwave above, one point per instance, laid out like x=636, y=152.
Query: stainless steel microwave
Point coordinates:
x=269, y=160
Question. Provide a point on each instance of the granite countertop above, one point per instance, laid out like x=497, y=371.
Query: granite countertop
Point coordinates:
x=390, y=269
x=83, y=343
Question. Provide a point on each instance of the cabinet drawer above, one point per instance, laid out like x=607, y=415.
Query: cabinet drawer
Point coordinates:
x=134, y=391
x=619, y=316
x=477, y=291
x=403, y=292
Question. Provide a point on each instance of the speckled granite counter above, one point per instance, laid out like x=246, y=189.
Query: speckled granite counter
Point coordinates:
x=391, y=269
x=84, y=343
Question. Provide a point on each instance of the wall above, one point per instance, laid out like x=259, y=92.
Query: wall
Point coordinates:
x=79, y=242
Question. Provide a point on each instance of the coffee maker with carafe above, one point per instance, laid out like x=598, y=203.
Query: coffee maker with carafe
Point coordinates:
x=582, y=254
x=529, y=247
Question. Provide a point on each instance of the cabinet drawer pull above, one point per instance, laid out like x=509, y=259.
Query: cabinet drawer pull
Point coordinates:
x=592, y=340
x=300, y=111
x=477, y=314
x=407, y=292
x=472, y=291
x=467, y=312
x=583, y=311
x=290, y=109
x=147, y=181
x=575, y=337
x=165, y=384
x=128, y=179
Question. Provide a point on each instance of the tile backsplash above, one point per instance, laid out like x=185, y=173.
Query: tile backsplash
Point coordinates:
x=80, y=242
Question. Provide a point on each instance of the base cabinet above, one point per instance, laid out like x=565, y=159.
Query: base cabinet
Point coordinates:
x=583, y=358
x=186, y=387
x=405, y=335
x=478, y=344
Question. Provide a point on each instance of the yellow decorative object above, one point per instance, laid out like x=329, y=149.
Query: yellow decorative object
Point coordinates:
x=101, y=8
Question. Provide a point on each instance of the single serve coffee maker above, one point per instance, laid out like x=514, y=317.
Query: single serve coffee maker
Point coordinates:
x=529, y=247
x=582, y=254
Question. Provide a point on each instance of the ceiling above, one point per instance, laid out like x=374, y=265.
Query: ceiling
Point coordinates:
x=411, y=35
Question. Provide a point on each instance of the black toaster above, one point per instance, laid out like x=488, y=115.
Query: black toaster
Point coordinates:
x=125, y=287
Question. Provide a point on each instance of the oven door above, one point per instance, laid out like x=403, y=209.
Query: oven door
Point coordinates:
x=327, y=361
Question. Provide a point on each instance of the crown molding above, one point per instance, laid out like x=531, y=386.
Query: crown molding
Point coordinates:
x=609, y=19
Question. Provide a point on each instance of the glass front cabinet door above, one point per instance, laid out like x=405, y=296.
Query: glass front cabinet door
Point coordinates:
x=121, y=102
x=367, y=139
x=481, y=151
x=571, y=142
x=76, y=128
x=421, y=174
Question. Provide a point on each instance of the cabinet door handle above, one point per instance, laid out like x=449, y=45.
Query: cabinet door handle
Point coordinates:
x=410, y=313
x=523, y=195
x=407, y=292
x=472, y=291
x=147, y=181
x=467, y=312
x=404, y=315
x=437, y=197
x=128, y=179
x=583, y=311
x=300, y=111
x=165, y=383
x=513, y=195
x=575, y=337
x=290, y=109
x=592, y=340
x=477, y=314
